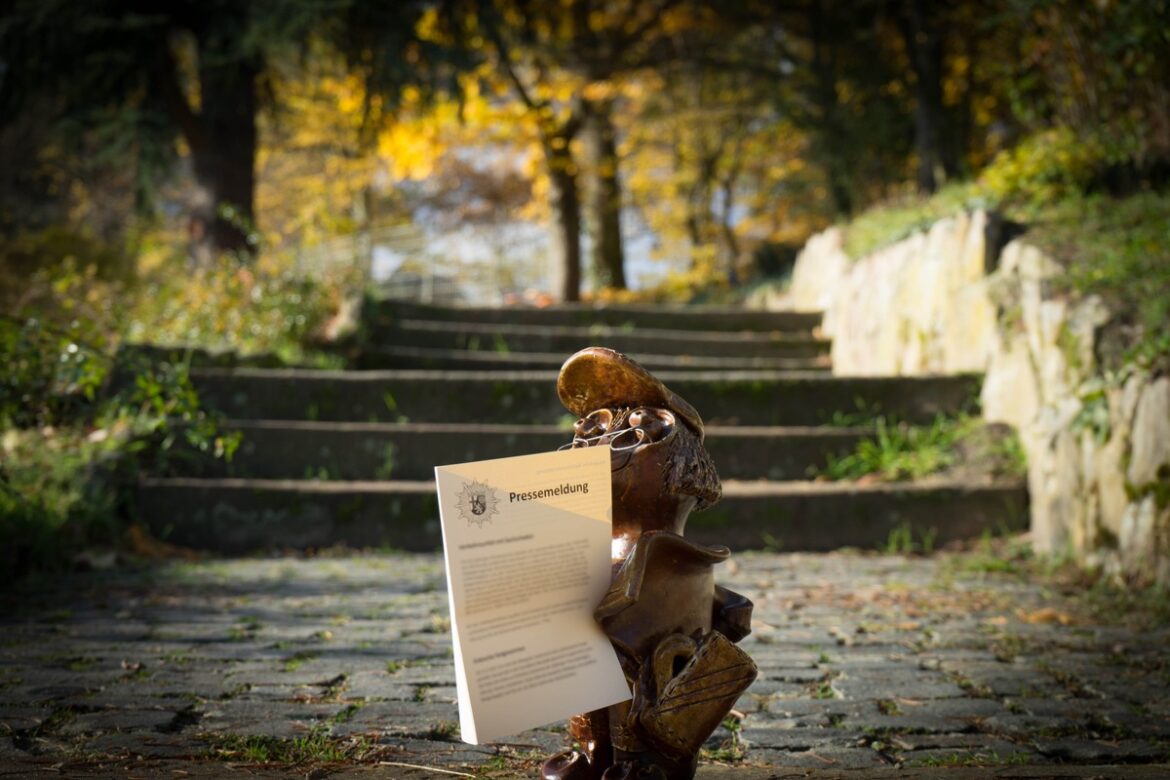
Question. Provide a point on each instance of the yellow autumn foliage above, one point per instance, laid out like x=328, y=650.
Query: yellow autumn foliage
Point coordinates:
x=313, y=163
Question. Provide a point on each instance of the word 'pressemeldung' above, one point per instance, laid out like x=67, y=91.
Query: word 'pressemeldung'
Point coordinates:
x=559, y=490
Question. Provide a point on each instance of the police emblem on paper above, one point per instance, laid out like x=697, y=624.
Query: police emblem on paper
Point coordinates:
x=478, y=502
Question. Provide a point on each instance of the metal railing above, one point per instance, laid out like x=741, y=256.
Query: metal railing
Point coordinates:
x=479, y=265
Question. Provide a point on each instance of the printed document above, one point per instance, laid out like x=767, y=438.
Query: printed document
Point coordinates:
x=527, y=546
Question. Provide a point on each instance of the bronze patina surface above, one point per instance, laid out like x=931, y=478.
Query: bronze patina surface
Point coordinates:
x=673, y=628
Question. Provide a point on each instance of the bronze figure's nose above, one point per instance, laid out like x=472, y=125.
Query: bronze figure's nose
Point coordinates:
x=591, y=426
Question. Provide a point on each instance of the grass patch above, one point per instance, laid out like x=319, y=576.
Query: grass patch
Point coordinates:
x=80, y=663
x=1114, y=247
x=296, y=661
x=898, y=451
x=732, y=749
x=316, y=747
x=347, y=714
x=971, y=758
x=895, y=220
x=863, y=415
x=443, y=731
x=901, y=451
x=901, y=541
x=1118, y=249
x=992, y=555
x=824, y=690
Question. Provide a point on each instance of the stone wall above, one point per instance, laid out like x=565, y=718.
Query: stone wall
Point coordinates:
x=948, y=300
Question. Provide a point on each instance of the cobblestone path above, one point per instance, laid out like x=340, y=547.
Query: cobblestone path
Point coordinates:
x=290, y=667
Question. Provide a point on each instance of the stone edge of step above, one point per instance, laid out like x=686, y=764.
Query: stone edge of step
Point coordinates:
x=731, y=488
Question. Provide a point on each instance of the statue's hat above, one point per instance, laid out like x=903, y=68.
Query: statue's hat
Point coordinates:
x=600, y=378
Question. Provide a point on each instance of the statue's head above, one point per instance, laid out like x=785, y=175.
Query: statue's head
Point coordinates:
x=661, y=471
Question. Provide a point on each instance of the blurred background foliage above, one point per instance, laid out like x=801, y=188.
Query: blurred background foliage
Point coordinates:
x=214, y=175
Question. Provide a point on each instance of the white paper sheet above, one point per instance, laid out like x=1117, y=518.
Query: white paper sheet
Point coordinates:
x=527, y=545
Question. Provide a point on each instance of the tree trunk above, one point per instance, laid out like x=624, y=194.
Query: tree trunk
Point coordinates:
x=964, y=119
x=730, y=240
x=566, y=203
x=829, y=141
x=924, y=43
x=700, y=218
x=223, y=151
x=605, y=205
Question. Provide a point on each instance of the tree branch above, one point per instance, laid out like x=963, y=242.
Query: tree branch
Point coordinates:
x=502, y=50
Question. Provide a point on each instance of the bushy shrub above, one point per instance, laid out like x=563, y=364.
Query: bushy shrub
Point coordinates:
x=56, y=336
x=75, y=431
x=262, y=308
x=1044, y=168
x=1119, y=249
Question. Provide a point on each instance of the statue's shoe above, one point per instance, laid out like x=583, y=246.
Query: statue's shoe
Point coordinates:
x=567, y=765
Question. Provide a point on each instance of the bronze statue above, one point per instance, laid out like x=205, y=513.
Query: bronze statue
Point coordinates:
x=673, y=628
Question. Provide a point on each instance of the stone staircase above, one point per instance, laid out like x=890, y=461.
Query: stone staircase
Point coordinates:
x=347, y=457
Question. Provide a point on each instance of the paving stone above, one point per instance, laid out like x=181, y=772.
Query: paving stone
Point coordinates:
x=1072, y=709
x=795, y=738
x=451, y=752
x=19, y=718
x=401, y=718
x=826, y=757
x=439, y=694
x=1139, y=690
x=1019, y=684
x=907, y=684
x=426, y=674
x=372, y=685
x=266, y=719
x=926, y=716
x=215, y=639
x=117, y=720
x=1084, y=751
x=203, y=684
x=875, y=658
x=139, y=743
x=1024, y=727
x=802, y=676
x=966, y=741
x=991, y=752
x=804, y=710
x=288, y=673
x=780, y=688
x=1149, y=723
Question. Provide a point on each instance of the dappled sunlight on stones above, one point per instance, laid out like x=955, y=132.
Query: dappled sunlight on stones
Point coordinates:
x=940, y=665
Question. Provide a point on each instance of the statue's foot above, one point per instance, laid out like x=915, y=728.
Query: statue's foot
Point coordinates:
x=632, y=770
x=568, y=765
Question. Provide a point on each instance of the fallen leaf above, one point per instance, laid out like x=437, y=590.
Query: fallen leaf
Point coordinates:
x=1045, y=615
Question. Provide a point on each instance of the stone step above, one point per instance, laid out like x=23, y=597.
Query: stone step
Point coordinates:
x=235, y=516
x=565, y=340
x=649, y=316
x=281, y=449
x=766, y=398
x=383, y=357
